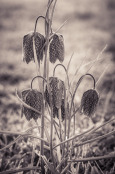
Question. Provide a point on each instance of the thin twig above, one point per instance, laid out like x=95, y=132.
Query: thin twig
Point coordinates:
x=19, y=170
x=99, y=167
x=97, y=59
x=69, y=62
x=59, y=28
x=77, y=70
x=93, y=158
x=101, y=76
x=95, y=139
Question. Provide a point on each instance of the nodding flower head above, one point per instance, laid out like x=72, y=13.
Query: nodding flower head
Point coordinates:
x=56, y=48
x=34, y=99
x=57, y=93
x=28, y=53
x=89, y=102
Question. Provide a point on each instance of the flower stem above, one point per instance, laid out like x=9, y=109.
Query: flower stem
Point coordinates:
x=72, y=101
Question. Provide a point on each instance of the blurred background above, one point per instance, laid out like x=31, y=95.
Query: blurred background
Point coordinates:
x=89, y=30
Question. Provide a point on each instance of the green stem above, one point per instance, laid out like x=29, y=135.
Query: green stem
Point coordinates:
x=60, y=126
x=32, y=156
x=37, y=77
x=72, y=101
x=53, y=11
x=51, y=135
x=65, y=71
x=46, y=66
x=36, y=23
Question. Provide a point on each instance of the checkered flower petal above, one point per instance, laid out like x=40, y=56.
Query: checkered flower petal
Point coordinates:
x=56, y=48
x=57, y=93
x=39, y=45
x=55, y=112
x=34, y=99
x=89, y=102
x=28, y=53
x=46, y=96
x=27, y=112
x=57, y=88
x=63, y=109
x=53, y=83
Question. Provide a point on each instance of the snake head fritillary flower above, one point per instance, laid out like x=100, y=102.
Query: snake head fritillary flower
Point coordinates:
x=56, y=48
x=34, y=99
x=89, y=102
x=28, y=53
x=57, y=92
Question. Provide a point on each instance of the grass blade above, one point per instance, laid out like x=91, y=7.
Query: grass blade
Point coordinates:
x=51, y=168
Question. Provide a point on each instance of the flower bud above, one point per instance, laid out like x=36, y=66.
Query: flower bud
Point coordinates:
x=28, y=53
x=34, y=99
x=89, y=102
x=56, y=48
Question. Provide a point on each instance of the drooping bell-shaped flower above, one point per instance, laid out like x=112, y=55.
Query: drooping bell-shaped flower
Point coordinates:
x=56, y=48
x=34, y=99
x=89, y=102
x=28, y=52
x=57, y=93
x=57, y=90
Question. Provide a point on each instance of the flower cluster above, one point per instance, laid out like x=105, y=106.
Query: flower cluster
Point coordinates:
x=56, y=47
x=54, y=93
